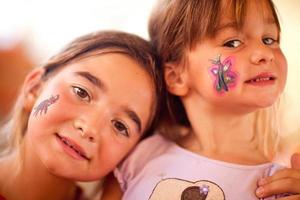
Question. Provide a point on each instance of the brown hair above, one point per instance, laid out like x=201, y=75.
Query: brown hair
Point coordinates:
x=92, y=44
x=176, y=26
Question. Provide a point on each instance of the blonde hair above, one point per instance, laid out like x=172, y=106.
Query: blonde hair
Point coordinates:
x=177, y=26
x=267, y=126
x=13, y=130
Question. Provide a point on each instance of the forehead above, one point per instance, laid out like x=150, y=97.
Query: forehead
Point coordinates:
x=239, y=11
x=114, y=69
x=107, y=63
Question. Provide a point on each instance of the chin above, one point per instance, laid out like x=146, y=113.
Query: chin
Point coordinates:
x=266, y=103
x=254, y=106
x=87, y=178
x=88, y=175
x=266, y=99
x=74, y=175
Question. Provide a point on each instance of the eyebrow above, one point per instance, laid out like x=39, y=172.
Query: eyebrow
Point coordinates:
x=270, y=20
x=98, y=83
x=226, y=25
x=135, y=118
x=92, y=79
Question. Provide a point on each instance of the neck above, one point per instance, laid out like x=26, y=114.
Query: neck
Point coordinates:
x=24, y=177
x=218, y=135
x=217, y=132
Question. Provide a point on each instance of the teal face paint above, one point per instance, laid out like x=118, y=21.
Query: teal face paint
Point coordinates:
x=225, y=77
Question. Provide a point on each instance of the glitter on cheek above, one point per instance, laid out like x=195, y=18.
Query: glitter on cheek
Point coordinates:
x=224, y=77
x=42, y=108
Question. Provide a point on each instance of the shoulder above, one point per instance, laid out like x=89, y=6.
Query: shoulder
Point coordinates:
x=150, y=147
x=147, y=150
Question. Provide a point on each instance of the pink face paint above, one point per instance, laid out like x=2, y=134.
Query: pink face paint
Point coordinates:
x=43, y=106
x=225, y=77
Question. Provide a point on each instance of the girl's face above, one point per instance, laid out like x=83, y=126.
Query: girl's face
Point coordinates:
x=90, y=115
x=241, y=69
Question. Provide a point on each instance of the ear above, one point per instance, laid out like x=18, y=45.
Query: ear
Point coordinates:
x=176, y=79
x=31, y=87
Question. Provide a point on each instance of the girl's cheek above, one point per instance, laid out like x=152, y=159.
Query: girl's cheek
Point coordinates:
x=42, y=107
x=64, y=108
x=224, y=77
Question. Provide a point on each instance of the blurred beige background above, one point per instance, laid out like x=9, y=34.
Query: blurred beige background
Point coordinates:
x=33, y=30
x=289, y=14
x=289, y=11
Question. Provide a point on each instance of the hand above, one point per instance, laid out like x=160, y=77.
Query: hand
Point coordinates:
x=283, y=181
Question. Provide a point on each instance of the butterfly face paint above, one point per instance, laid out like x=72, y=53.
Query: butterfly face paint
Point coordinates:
x=43, y=106
x=222, y=72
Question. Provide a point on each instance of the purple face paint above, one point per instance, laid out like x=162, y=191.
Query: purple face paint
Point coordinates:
x=43, y=106
x=225, y=77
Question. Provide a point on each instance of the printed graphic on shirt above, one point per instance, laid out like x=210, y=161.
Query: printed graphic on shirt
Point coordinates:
x=178, y=189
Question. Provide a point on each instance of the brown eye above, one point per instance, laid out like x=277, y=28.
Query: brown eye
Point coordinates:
x=81, y=93
x=120, y=127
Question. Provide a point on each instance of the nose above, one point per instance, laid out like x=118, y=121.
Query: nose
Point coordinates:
x=261, y=54
x=87, y=128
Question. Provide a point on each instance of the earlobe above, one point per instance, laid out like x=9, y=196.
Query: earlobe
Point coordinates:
x=31, y=87
x=176, y=79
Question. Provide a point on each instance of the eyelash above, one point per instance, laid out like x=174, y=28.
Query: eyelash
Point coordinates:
x=272, y=40
x=117, y=124
x=81, y=93
x=230, y=43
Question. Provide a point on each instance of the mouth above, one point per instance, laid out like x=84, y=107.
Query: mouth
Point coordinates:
x=262, y=79
x=71, y=148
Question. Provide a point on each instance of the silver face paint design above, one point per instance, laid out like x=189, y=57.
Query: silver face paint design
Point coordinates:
x=43, y=106
x=223, y=74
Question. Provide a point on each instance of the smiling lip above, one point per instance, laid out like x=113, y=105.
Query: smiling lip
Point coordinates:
x=71, y=148
x=262, y=79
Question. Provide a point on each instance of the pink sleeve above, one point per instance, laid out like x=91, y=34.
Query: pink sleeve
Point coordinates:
x=145, y=151
x=119, y=176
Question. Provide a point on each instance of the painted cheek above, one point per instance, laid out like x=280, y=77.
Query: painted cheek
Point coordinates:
x=223, y=75
x=43, y=106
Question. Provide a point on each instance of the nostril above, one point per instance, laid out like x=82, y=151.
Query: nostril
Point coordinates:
x=91, y=139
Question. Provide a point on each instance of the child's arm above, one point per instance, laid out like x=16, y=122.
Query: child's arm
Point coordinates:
x=111, y=189
x=283, y=181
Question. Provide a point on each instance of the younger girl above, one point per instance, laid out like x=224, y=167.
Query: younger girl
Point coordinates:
x=223, y=68
x=78, y=116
